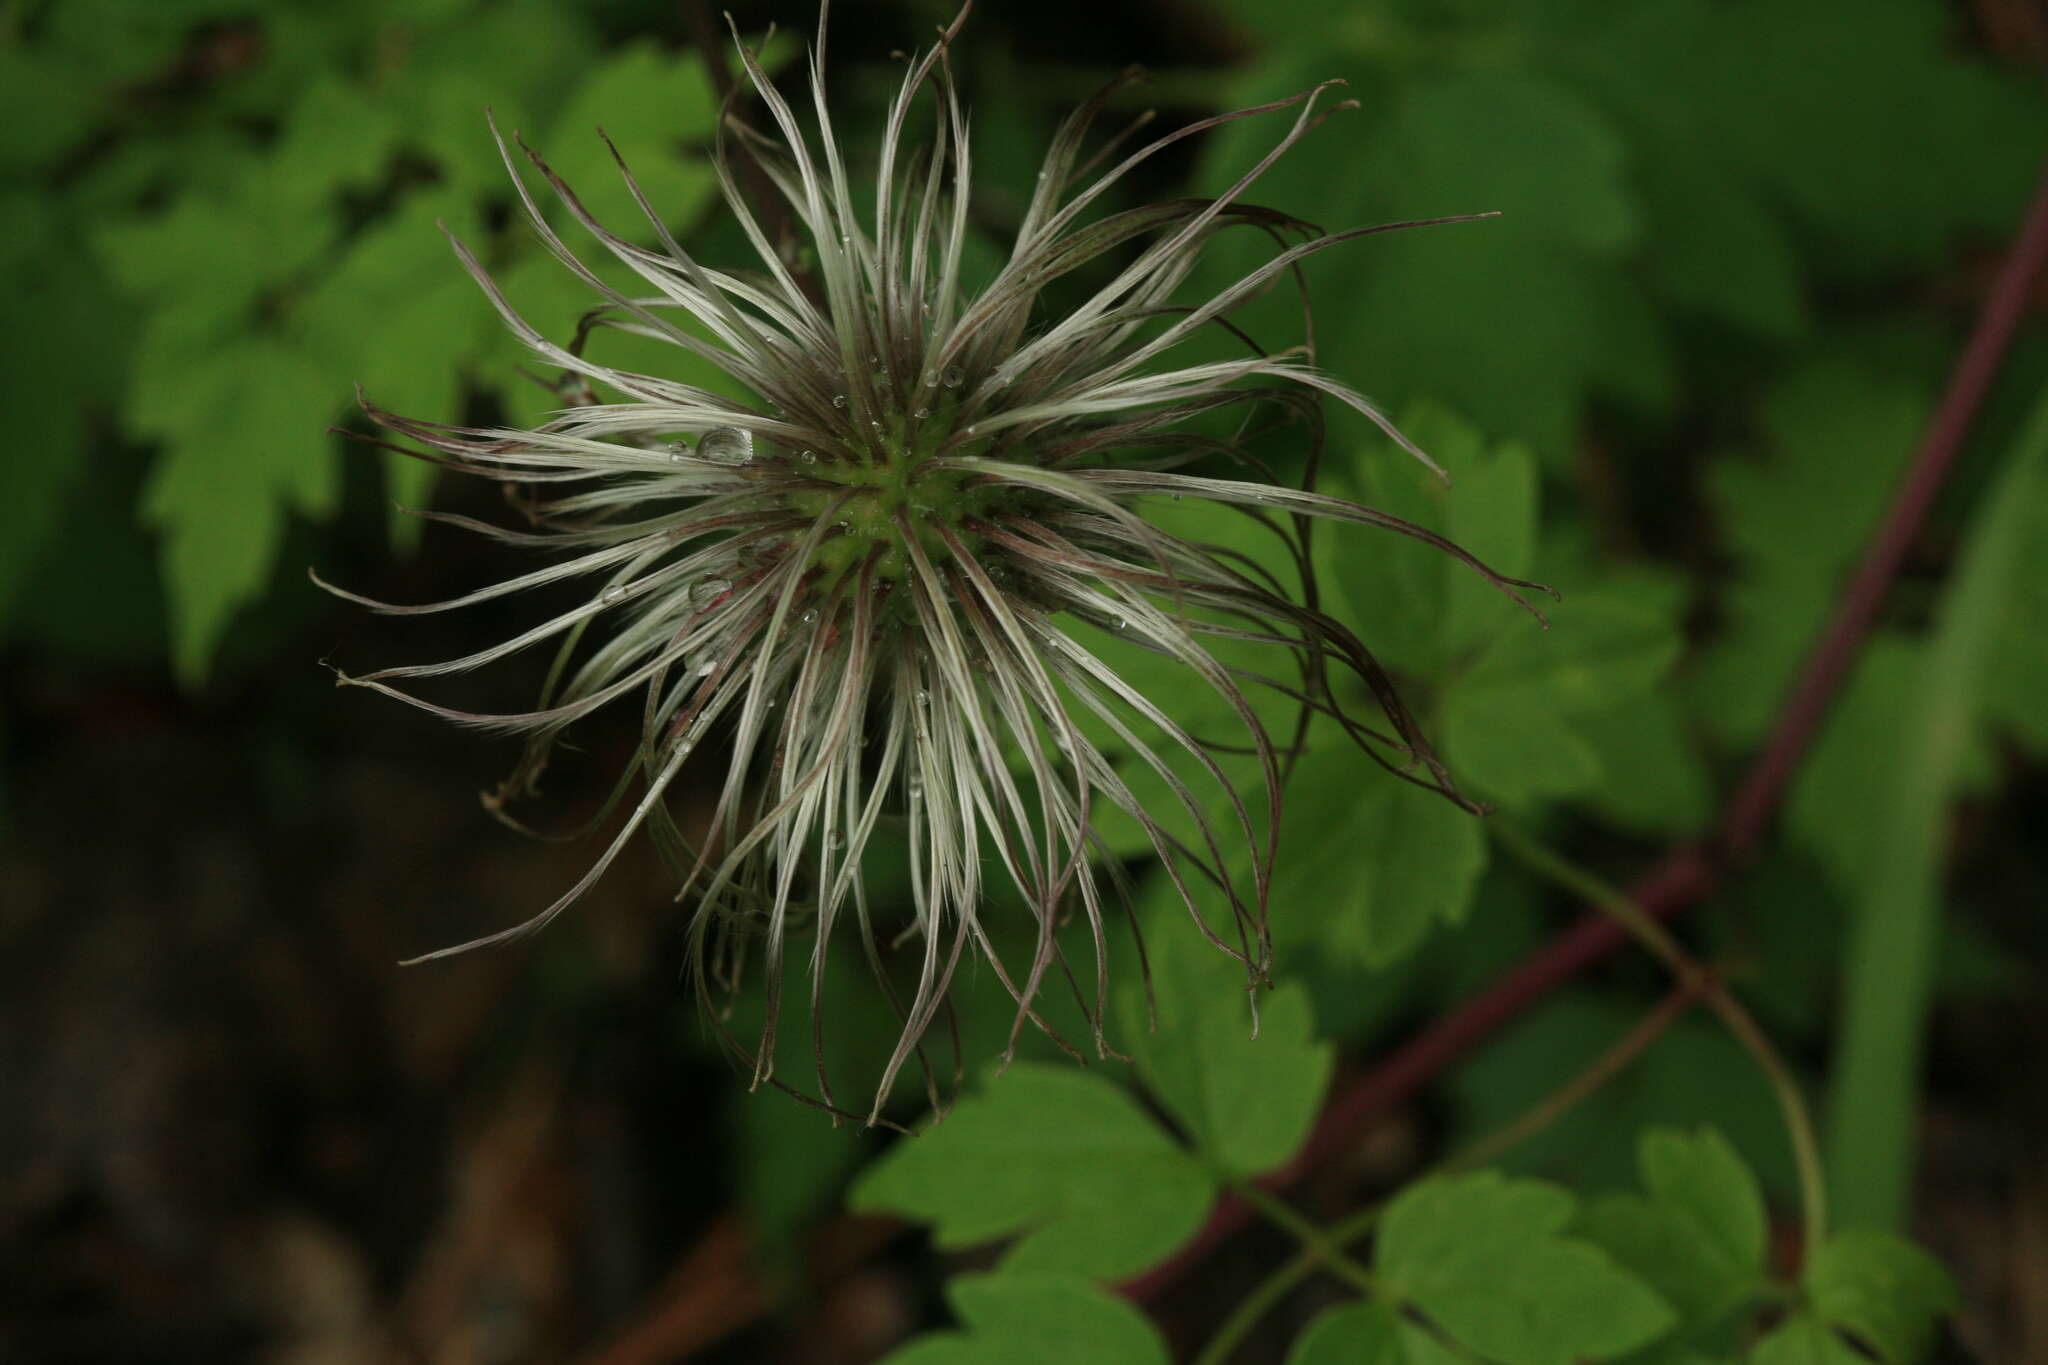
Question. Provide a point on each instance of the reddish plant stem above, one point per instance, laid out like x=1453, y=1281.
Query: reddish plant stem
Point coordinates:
x=1690, y=872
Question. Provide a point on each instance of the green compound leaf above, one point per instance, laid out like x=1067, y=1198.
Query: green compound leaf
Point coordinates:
x=1486, y=1257
x=1718, y=252
x=1882, y=1290
x=1839, y=429
x=1369, y=865
x=398, y=316
x=1508, y=720
x=1804, y=1340
x=1698, y=1239
x=1247, y=1103
x=1541, y=275
x=336, y=135
x=1024, y=1319
x=654, y=104
x=243, y=426
x=1060, y=1159
x=1422, y=610
x=1704, y=1181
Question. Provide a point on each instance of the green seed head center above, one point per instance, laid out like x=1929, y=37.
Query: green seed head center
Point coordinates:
x=878, y=506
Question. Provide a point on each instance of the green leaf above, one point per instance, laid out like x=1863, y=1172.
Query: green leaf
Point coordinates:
x=1515, y=755
x=1768, y=89
x=1698, y=1240
x=243, y=427
x=336, y=135
x=1020, y=1319
x=1803, y=1340
x=1060, y=1159
x=1370, y=1334
x=1487, y=1258
x=47, y=105
x=399, y=316
x=1507, y=718
x=1702, y=1179
x=1420, y=609
x=1654, y=778
x=1246, y=1102
x=655, y=104
x=1881, y=1289
x=1716, y=250
x=1840, y=430
x=209, y=258
x=1369, y=864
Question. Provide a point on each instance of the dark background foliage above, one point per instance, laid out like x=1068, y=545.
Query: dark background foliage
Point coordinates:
x=1741, y=244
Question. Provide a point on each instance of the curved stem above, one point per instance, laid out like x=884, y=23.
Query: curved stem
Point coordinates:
x=1325, y=1248
x=1254, y=1306
x=1320, y=1248
x=1661, y=943
x=1561, y=1101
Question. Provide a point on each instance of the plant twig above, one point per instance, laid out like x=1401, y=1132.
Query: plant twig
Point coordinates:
x=1326, y=1250
x=1616, y=1059
x=1799, y=1128
x=1688, y=873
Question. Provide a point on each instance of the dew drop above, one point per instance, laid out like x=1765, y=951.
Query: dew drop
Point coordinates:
x=683, y=747
x=808, y=456
x=915, y=784
x=922, y=413
x=707, y=668
x=951, y=377
x=726, y=445
x=834, y=839
x=931, y=379
x=838, y=400
x=708, y=590
x=809, y=616
x=613, y=593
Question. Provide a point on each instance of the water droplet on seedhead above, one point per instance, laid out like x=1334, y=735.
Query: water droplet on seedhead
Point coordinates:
x=834, y=839
x=951, y=377
x=838, y=400
x=678, y=450
x=707, y=668
x=613, y=593
x=807, y=456
x=810, y=615
x=914, y=784
x=922, y=413
x=708, y=590
x=727, y=445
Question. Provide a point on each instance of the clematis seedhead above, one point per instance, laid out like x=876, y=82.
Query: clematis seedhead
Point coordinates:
x=875, y=609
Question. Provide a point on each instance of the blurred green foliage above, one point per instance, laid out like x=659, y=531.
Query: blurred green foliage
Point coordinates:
x=1676, y=380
